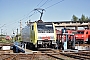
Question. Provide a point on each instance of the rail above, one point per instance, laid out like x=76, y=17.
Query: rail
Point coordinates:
x=79, y=55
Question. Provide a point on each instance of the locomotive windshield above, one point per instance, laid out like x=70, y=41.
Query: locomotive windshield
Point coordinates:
x=48, y=28
x=80, y=32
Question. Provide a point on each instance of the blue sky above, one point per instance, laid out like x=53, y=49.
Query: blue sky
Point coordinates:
x=12, y=11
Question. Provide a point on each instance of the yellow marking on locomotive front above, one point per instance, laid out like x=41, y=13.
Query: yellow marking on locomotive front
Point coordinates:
x=35, y=30
x=32, y=34
x=54, y=32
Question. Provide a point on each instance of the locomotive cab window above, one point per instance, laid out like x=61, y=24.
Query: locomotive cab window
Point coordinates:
x=80, y=32
x=45, y=28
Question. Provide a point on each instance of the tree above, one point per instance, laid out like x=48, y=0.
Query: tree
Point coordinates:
x=74, y=18
x=89, y=18
x=86, y=18
x=83, y=18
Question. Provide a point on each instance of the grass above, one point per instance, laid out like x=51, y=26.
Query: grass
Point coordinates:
x=5, y=41
x=8, y=41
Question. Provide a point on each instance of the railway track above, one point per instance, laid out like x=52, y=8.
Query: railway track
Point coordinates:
x=55, y=54
x=50, y=54
x=41, y=55
x=47, y=55
x=79, y=55
x=21, y=56
x=28, y=57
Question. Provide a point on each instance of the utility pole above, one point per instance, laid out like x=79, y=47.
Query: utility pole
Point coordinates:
x=1, y=31
x=38, y=9
x=1, y=34
x=20, y=27
x=17, y=34
x=13, y=36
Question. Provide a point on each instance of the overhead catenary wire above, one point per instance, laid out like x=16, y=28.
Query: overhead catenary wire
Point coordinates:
x=39, y=2
x=2, y=26
x=25, y=17
x=44, y=3
x=33, y=12
x=54, y=4
x=48, y=6
x=47, y=1
x=30, y=12
x=40, y=6
x=10, y=23
x=36, y=6
x=31, y=15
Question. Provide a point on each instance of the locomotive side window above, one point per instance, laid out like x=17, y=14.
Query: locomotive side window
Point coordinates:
x=32, y=27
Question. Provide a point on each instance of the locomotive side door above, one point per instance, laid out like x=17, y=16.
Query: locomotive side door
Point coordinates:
x=32, y=33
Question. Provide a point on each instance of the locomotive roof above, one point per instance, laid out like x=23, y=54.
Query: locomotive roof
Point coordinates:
x=40, y=23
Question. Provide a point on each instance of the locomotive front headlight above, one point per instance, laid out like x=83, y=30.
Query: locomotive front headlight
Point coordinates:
x=39, y=42
x=82, y=36
x=76, y=36
x=39, y=37
x=53, y=42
